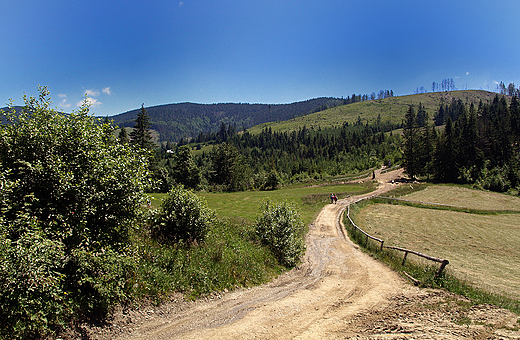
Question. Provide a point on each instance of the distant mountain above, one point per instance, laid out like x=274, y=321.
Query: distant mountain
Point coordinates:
x=174, y=121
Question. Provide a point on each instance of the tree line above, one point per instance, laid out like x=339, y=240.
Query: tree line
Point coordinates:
x=478, y=145
x=243, y=161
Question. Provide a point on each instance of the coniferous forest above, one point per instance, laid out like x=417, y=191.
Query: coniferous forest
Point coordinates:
x=479, y=145
x=243, y=161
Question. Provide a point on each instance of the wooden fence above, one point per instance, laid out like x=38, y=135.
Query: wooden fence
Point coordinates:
x=443, y=262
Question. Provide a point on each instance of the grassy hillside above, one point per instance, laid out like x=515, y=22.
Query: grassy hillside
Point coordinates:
x=391, y=109
x=482, y=248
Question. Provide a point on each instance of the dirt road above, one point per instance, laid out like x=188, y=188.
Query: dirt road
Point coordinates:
x=338, y=292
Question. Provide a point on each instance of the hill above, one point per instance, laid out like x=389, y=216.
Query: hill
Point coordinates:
x=392, y=109
x=174, y=121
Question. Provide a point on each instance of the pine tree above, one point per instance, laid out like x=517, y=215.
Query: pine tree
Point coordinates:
x=514, y=109
x=123, y=136
x=141, y=135
x=426, y=149
x=411, y=144
x=445, y=156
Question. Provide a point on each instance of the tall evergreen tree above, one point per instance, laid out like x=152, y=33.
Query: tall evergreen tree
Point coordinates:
x=440, y=116
x=445, y=156
x=141, y=135
x=228, y=167
x=514, y=109
x=411, y=143
x=422, y=116
x=469, y=139
x=426, y=148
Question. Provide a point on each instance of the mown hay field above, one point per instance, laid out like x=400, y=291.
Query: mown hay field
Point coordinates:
x=483, y=249
x=464, y=197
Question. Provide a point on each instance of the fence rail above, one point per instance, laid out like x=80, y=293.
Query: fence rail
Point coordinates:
x=443, y=262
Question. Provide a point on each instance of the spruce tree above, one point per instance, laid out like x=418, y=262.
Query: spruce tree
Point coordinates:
x=426, y=150
x=411, y=144
x=123, y=136
x=141, y=136
x=445, y=157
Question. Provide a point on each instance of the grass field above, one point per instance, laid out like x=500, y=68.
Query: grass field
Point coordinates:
x=468, y=198
x=247, y=204
x=482, y=248
x=308, y=199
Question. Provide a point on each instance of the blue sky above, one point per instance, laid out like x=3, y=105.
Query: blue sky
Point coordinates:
x=123, y=53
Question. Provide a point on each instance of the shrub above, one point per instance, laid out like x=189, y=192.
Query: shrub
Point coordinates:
x=71, y=174
x=183, y=217
x=69, y=196
x=281, y=228
x=495, y=179
x=32, y=294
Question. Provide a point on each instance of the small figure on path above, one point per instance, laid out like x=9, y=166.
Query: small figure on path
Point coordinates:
x=332, y=198
x=335, y=199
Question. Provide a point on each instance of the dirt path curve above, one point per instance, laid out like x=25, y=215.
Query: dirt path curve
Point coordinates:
x=337, y=292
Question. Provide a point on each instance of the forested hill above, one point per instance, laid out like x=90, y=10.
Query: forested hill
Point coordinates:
x=174, y=121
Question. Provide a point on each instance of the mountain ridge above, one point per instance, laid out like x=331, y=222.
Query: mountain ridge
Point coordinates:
x=179, y=120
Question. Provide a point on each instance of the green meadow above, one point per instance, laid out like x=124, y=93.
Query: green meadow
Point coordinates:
x=246, y=205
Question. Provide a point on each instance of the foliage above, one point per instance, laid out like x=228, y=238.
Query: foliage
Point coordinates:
x=70, y=195
x=228, y=168
x=184, y=170
x=270, y=159
x=280, y=228
x=229, y=258
x=183, y=217
x=33, y=295
x=140, y=135
x=479, y=145
x=123, y=137
x=272, y=180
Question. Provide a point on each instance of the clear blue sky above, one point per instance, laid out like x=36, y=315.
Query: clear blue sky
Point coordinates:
x=124, y=52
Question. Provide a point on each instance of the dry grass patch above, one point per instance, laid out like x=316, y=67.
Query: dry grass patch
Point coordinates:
x=482, y=249
x=469, y=198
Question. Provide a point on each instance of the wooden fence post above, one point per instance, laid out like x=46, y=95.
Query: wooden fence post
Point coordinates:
x=404, y=259
x=441, y=268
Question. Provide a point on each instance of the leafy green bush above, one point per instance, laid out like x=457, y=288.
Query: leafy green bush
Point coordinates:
x=495, y=179
x=183, y=217
x=69, y=196
x=32, y=294
x=281, y=228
